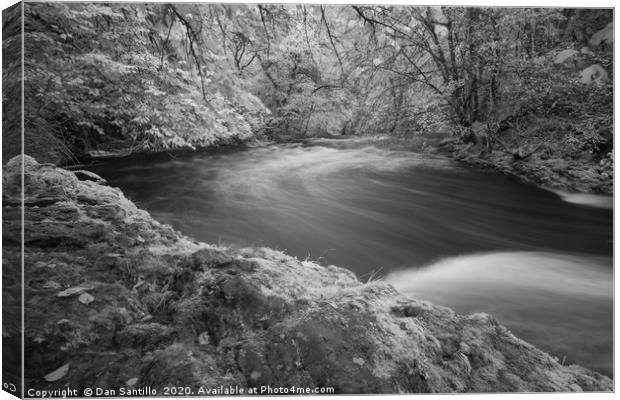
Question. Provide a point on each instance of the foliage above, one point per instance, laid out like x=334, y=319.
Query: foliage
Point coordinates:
x=407, y=70
x=157, y=76
x=104, y=76
x=550, y=106
x=11, y=80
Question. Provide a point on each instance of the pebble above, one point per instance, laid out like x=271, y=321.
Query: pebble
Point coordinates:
x=86, y=298
x=358, y=361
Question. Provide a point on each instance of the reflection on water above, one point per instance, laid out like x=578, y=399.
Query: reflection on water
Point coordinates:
x=542, y=297
x=367, y=208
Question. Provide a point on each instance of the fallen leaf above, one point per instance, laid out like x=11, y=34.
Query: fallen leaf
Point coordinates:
x=86, y=298
x=51, y=285
x=131, y=382
x=56, y=375
x=73, y=291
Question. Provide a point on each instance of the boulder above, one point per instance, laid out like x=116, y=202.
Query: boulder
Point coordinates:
x=594, y=74
x=565, y=55
x=603, y=36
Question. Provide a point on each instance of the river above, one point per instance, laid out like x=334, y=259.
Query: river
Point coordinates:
x=539, y=262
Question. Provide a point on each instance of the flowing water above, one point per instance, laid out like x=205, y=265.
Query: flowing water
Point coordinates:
x=540, y=262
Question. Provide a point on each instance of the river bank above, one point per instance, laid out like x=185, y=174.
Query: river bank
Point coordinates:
x=94, y=157
x=116, y=299
x=553, y=173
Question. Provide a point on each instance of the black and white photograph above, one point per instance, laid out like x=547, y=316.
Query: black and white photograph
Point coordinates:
x=205, y=199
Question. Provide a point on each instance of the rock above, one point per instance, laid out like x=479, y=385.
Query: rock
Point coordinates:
x=131, y=382
x=550, y=171
x=86, y=298
x=51, y=285
x=103, y=154
x=88, y=176
x=603, y=36
x=213, y=316
x=358, y=361
x=565, y=55
x=594, y=73
x=203, y=338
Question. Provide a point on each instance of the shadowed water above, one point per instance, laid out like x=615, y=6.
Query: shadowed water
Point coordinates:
x=513, y=250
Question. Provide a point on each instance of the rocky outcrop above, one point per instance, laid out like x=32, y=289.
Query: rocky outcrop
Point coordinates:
x=549, y=172
x=115, y=299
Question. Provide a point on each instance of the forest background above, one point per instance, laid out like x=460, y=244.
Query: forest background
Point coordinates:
x=160, y=77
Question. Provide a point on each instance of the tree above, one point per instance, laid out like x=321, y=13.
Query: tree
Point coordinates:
x=143, y=77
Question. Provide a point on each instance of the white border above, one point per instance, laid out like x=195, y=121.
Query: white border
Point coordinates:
x=546, y=3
